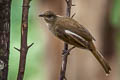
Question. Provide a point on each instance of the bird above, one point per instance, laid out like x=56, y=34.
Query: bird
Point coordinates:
x=72, y=32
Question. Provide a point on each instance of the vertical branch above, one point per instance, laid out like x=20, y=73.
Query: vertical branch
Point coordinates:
x=24, y=48
x=68, y=9
x=65, y=51
x=5, y=6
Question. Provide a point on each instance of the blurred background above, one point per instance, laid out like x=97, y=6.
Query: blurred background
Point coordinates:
x=100, y=17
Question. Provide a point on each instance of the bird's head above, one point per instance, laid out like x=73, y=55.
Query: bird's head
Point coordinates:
x=49, y=16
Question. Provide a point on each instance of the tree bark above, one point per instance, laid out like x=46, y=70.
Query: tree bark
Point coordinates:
x=4, y=37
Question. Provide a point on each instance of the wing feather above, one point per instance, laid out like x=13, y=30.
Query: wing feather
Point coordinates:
x=77, y=38
x=74, y=26
x=71, y=38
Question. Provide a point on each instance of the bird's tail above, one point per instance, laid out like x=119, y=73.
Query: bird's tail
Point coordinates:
x=100, y=58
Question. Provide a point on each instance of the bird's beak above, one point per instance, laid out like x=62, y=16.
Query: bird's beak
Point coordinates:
x=41, y=15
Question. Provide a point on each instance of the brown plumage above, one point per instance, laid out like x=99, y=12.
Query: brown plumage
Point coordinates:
x=70, y=31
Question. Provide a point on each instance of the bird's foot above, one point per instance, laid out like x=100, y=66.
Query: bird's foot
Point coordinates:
x=67, y=52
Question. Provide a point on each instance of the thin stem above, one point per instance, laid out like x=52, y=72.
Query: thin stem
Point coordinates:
x=24, y=48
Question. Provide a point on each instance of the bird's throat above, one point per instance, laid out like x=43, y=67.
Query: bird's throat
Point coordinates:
x=49, y=25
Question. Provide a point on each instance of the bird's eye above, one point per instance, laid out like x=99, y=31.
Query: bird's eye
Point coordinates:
x=49, y=16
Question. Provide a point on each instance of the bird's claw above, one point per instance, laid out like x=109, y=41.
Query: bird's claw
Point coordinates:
x=65, y=52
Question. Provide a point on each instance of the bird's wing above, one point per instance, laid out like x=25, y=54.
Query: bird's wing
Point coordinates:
x=75, y=27
x=85, y=32
x=71, y=37
x=77, y=38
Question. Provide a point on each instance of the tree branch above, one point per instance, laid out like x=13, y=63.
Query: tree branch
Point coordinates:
x=30, y=45
x=66, y=51
x=73, y=15
x=24, y=48
x=17, y=49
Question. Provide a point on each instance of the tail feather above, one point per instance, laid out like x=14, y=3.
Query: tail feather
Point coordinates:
x=100, y=58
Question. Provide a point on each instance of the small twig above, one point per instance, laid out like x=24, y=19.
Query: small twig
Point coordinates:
x=17, y=49
x=73, y=15
x=68, y=51
x=73, y=5
x=30, y=45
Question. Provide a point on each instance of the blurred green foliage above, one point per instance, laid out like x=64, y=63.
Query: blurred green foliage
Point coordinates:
x=116, y=13
x=34, y=65
x=115, y=18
